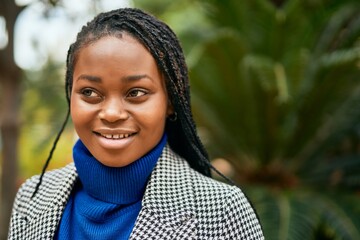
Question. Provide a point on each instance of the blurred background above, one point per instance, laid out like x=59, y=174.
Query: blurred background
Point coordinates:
x=275, y=94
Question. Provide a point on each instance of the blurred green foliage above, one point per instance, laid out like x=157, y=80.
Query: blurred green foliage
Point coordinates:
x=42, y=113
x=276, y=91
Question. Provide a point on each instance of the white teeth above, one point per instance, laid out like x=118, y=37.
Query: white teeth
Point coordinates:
x=115, y=136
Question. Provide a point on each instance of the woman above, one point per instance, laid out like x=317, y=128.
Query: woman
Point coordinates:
x=140, y=170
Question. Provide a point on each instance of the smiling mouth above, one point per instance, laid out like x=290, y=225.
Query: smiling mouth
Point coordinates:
x=116, y=136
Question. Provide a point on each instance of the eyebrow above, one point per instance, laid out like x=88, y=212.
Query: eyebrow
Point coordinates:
x=89, y=78
x=130, y=78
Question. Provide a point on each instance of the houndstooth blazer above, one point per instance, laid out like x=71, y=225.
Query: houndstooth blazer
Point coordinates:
x=179, y=203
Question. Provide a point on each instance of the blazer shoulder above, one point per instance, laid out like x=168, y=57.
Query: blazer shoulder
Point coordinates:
x=210, y=186
x=53, y=182
x=226, y=204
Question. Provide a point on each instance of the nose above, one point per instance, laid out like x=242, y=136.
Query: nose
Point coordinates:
x=113, y=110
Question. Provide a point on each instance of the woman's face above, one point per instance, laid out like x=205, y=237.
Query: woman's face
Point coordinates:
x=118, y=102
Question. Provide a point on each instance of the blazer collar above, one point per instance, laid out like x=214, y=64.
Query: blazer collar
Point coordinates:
x=167, y=206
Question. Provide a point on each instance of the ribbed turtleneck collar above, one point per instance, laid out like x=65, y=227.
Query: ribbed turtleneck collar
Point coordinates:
x=120, y=185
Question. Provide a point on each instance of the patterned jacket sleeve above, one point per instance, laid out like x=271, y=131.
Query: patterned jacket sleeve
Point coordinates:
x=18, y=220
x=240, y=220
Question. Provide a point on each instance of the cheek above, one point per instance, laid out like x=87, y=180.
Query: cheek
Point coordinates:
x=154, y=121
x=78, y=112
x=73, y=109
x=152, y=115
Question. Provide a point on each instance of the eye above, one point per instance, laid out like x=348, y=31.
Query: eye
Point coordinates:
x=136, y=93
x=87, y=92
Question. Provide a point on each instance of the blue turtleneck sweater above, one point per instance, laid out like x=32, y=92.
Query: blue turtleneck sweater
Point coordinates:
x=107, y=200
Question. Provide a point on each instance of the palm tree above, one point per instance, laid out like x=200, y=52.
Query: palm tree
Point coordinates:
x=276, y=91
x=276, y=87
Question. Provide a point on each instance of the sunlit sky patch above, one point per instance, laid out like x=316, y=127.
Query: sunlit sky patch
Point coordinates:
x=41, y=33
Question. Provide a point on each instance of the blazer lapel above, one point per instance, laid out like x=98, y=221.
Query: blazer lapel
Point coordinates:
x=54, y=196
x=167, y=211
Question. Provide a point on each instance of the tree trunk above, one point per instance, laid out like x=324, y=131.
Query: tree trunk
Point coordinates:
x=9, y=137
x=10, y=83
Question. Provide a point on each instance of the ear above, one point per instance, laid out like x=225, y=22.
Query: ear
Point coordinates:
x=170, y=109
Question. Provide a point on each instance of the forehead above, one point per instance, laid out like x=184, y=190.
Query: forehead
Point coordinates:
x=112, y=41
x=122, y=49
x=93, y=38
x=111, y=57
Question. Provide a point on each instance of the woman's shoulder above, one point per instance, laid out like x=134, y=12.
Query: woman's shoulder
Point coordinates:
x=221, y=209
x=178, y=169
x=53, y=182
x=207, y=187
x=221, y=204
x=50, y=179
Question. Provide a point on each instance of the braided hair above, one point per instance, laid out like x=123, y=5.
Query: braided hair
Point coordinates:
x=165, y=48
